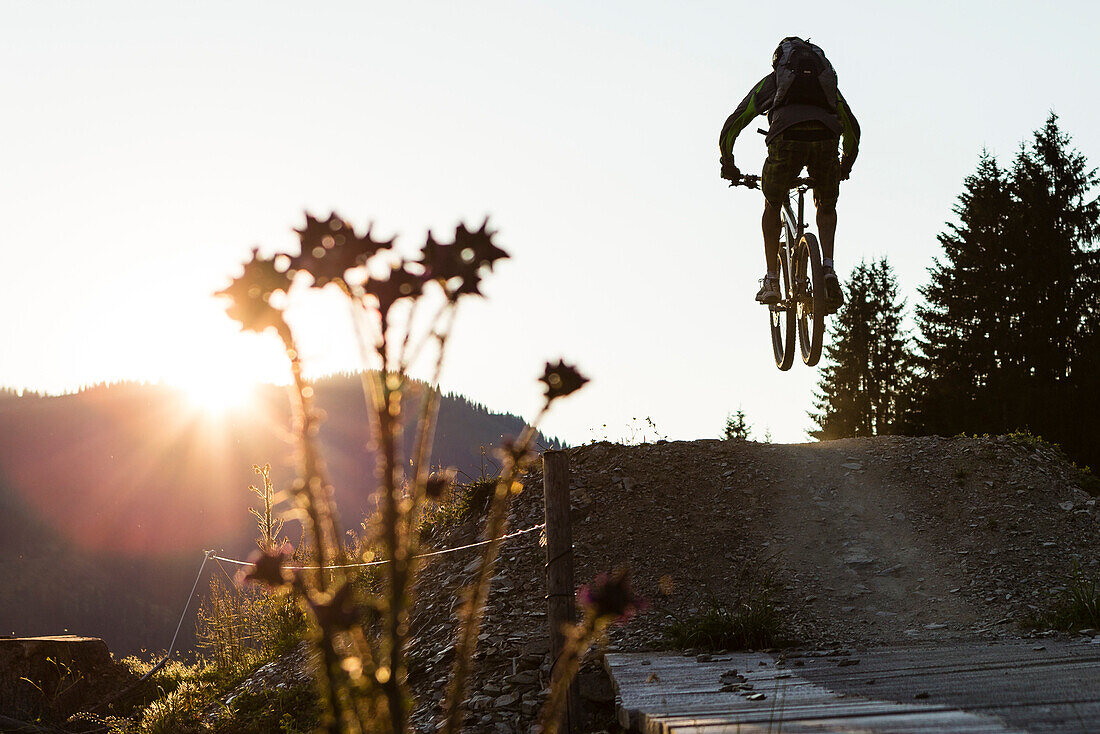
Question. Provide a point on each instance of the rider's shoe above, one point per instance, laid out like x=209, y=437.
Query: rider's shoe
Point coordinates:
x=834, y=296
x=769, y=290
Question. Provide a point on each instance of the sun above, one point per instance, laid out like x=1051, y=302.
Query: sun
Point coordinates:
x=218, y=392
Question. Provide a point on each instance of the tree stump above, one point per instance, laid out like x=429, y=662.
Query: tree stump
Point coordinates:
x=48, y=677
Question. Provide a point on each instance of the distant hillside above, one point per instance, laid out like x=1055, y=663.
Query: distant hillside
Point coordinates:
x=109, y=496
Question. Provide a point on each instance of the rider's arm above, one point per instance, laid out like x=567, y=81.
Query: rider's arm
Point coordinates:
x=754, y=104
x=849, y=130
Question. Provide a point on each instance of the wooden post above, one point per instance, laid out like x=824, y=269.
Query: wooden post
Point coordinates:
x=559, y=568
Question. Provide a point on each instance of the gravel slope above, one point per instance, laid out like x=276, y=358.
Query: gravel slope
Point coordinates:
x=871, y=541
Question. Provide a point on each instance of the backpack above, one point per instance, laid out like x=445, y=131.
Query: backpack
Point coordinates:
x=803, y=75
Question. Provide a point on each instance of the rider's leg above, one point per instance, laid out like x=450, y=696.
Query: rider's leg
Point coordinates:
x=771, y=226
x=824, y=169
x=826, y=229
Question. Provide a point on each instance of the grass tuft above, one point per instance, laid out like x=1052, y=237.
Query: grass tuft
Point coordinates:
x=750, y=624
x=1078, y=607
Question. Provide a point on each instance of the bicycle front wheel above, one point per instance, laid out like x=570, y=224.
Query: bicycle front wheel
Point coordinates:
x=809, y=294
x=782, y=317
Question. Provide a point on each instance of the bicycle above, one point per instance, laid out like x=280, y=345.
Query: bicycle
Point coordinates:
x=802, y=306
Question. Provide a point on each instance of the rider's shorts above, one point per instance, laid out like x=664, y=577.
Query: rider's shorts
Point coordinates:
x=787, y=158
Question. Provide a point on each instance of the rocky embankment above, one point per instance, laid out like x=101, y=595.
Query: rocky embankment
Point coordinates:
x=867, y=541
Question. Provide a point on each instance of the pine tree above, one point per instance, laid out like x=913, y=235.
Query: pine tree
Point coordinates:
x=864, y=389
x=1057, y=227
x=1010, y=329
x=965, y=331
x=737, y=428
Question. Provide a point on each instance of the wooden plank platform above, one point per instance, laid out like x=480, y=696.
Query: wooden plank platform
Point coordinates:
x=971, y=688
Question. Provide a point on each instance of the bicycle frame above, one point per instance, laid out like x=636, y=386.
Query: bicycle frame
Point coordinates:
x=795, y=226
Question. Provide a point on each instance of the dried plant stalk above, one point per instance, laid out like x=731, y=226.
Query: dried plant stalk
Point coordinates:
x=363, y=676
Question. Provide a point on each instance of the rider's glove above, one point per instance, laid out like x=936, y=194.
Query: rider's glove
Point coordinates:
x=845, y=170
x=730, y=172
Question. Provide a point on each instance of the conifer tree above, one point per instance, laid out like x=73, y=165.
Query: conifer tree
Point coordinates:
x=737, y=428
x=864, y=389
x=965, y=329
x=1056, y=227
x=1009, y=329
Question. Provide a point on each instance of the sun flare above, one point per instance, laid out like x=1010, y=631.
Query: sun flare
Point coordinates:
x=218, y=393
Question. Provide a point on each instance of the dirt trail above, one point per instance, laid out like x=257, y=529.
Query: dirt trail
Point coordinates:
x=840, y=524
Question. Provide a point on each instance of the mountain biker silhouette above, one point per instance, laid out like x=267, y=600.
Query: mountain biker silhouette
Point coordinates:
x=807, y=116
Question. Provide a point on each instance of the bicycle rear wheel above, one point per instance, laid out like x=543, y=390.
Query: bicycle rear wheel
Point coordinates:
x=809, y=294
x=781, y=317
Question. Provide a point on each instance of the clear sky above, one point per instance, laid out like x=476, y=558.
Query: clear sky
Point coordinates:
x=146, y=147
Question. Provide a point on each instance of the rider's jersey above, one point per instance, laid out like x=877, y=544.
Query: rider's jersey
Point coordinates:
x=759, y=100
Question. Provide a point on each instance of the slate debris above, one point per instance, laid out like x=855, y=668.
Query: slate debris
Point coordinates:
x=667, y=510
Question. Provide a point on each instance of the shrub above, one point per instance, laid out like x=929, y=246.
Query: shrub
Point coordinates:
x=240, y=628
x=168, y=678
x=465, y=501
x=287, y=709
x=180, y=712
x=1089, y=482
x=1031, y=441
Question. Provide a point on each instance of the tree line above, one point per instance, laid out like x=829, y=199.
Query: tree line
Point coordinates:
x=1007, y=336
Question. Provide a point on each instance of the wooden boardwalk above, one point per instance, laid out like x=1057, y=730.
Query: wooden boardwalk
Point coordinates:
x=969, y=688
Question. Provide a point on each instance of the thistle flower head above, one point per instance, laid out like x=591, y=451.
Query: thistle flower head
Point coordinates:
x=513, y=452
x=338, y=611
x=561, y=379
x=457, y=265
x=268, y=567
x=610, y=596
x=331, y=247
x=249, y=295
x=438, y=483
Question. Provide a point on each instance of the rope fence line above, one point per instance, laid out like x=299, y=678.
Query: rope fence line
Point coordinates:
x=208, y=555
x=379, y=563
